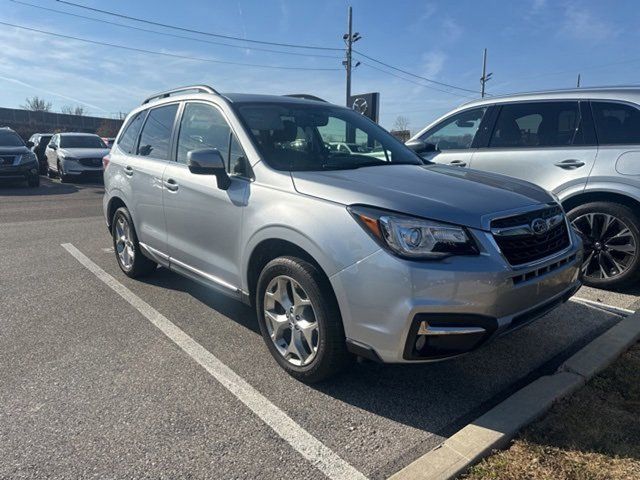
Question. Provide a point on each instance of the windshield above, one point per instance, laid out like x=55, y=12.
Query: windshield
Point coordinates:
x=81, y=141
x=10, y=139
x=297, y=137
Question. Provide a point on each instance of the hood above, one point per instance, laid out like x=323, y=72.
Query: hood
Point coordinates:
x=13, y=150
x=84, y=152
x=437, y=192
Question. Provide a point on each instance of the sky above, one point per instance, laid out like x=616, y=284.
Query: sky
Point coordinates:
x=532, y=45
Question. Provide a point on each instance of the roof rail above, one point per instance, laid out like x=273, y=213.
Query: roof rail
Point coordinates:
x=168, y=93
x=306, y=96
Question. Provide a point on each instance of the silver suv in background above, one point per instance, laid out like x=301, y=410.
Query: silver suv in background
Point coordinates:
x=340, y=253
x=75, y=155
x=582, y=144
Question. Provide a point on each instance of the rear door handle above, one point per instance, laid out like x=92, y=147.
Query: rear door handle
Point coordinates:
x=128, y=170
x=458, y=163
x=570, y=164
x=171, y=184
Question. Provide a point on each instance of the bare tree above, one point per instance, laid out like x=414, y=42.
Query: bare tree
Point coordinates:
x=36, y=104
x=69, y=110
x=401, y=123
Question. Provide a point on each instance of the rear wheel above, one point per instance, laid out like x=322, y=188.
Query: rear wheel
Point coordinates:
x=127, y=248
x=611, y=237
x=300, y=320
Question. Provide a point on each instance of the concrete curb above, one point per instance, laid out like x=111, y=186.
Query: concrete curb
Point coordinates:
x=498, y=426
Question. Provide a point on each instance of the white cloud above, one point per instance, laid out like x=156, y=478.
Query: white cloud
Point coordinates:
x=581, y=23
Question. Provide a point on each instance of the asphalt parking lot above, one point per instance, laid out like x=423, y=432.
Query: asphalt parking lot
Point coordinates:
x=91, y=388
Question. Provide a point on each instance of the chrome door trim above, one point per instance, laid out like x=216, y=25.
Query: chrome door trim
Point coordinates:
x=154, y=254
x=203, y=275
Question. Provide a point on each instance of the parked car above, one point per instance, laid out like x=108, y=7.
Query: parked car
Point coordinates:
x=17, y=162
x=349, y=148
x=38, y=144
x=581, y=144
x=75, y=155
x=388, y=259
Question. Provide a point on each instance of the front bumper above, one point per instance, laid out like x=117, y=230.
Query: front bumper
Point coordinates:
x=21, y=171
x=75, y=168
x=388, y=303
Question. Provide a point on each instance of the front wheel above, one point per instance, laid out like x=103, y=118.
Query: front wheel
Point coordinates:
x=64, y=178
x=611, y=236
x=127, y=248
x=300, y=320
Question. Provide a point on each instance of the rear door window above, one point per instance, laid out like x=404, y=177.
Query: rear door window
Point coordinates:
x=155, y=138
x=616, y=123
x=538, y=124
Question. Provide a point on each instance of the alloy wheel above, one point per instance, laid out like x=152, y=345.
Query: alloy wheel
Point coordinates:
x=124, y=243
x=609, y=245
x=291, y=321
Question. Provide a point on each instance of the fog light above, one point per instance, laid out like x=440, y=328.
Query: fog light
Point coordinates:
x=421, y=342
x=33, y=170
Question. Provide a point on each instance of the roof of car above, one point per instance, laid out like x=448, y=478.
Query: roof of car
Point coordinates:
x=257, y=98
x=77, y=134
x=570, y=93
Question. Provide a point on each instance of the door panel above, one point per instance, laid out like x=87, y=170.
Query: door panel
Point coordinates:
x=204, y=222
x=144, y=172
x=552, y=168
x=145, y=177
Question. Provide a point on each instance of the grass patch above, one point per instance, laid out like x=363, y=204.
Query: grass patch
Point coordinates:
x=593, y=435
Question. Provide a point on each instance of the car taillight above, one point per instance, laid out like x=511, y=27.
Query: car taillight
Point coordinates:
x=105, y=161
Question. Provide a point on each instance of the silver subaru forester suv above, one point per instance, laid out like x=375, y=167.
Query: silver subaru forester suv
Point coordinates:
x=581, y=144
x=370, y=253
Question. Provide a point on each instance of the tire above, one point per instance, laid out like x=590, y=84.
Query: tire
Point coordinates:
x=33, y=181
x=63, y=177
x=330, y=355
x=602, y=247
x=139, y=265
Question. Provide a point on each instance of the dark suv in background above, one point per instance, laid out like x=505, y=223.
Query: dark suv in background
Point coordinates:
x=17, y=162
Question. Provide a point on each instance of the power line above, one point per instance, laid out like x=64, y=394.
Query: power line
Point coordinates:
x=414, y=82
x=165, y=54
x=174, y=35
x=200, y=32
x=411, y=74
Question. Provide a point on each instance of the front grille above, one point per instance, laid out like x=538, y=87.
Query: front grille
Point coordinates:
x=528, y=247
x=91, y=162
x=7, y=159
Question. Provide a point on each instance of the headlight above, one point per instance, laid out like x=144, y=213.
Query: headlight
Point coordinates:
x=69, y=159
x=27, y=158
x=411, y=237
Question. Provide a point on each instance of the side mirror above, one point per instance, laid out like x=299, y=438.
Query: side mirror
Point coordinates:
x=419, y=146
x=30, y=144
x=209, y=161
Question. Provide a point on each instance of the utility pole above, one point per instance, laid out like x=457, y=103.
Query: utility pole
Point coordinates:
x=349, y=39
x=485, y=77
x=578, y=85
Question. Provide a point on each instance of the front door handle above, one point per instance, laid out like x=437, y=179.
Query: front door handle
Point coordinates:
x=458, y=163
x=128, y=170
x=570, y=164
x=171, y=184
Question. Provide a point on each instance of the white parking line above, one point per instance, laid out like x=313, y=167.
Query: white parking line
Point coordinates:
x=323, y=458
x=604, y=306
